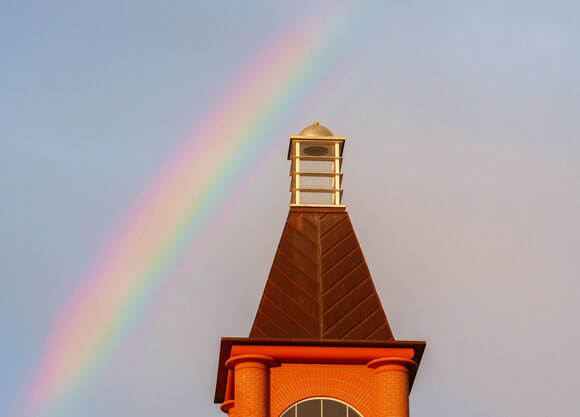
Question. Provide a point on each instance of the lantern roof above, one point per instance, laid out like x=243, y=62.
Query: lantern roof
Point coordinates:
x=316, y=130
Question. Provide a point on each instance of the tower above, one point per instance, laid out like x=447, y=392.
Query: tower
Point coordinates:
x=320, y=345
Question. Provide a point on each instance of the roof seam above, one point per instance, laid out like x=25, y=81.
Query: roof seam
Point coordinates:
x=339, y=318
x=295, y=266
x=337, y=242
x=297, y=250
x=360, y=323
x=345, y=276
x=288, y=296
x=379, y=328
x=274, y=323
x=346, y=255
x=362, y=281
x=294, y=283
x=300, y=233
x=334, y=226
x=352, y=310
x=287, y=315
x=309, y=222
x=256, y=328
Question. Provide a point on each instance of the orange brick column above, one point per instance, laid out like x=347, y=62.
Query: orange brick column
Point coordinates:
x=251, y=384
x=392, y=386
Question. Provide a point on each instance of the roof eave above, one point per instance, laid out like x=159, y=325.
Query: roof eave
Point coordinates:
x=228, y=342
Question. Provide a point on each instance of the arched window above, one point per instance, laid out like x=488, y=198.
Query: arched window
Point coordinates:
x=320, y=407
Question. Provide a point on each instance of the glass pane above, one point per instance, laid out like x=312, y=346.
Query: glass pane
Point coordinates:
x=315, y=166
x=316, y=182
x=333, y=409
x=316, y=198
x=315, y=149
x=291, y=412
x=309, y=408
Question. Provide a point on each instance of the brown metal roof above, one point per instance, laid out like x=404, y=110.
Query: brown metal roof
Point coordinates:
x=320, y=287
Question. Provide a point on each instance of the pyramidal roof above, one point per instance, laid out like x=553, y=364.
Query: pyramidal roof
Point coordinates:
x=320, y=287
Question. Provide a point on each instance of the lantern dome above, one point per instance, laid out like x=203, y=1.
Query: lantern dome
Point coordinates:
x=316, y=130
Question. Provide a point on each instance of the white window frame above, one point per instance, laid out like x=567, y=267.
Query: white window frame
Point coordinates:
x=348, y=407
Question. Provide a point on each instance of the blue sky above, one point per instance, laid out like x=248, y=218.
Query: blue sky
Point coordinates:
x=461, y=180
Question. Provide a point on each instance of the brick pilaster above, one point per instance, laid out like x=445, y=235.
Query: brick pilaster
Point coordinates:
x=392, y=386
x=251, y=384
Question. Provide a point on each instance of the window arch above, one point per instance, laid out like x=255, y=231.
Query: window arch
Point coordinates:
x=320, y=407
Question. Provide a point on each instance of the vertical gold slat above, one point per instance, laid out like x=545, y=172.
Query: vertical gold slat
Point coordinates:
x=336, y=177
x=297, y=154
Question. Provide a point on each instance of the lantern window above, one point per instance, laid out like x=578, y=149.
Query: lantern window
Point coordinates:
x=316, y=170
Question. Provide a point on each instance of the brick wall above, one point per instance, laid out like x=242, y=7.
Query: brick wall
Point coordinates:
x=353, y=384
x=265, y=387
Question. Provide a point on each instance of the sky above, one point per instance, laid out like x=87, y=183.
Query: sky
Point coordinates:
x=145, y=187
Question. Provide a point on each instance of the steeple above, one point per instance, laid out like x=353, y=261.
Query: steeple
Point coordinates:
x=319, y=286
x=320, y=339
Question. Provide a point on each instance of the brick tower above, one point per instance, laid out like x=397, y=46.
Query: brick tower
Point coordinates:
x=320, y=345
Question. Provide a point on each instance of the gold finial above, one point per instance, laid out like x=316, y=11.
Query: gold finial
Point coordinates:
x=315, y=124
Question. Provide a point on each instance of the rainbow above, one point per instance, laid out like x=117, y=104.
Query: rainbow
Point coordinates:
x=184, y=204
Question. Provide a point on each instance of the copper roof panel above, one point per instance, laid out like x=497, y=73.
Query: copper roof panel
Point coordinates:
x=349, y=301
x=343, y=267
x=345, y=285
x=295, y=294
x=319, y=286
x=294, y=307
